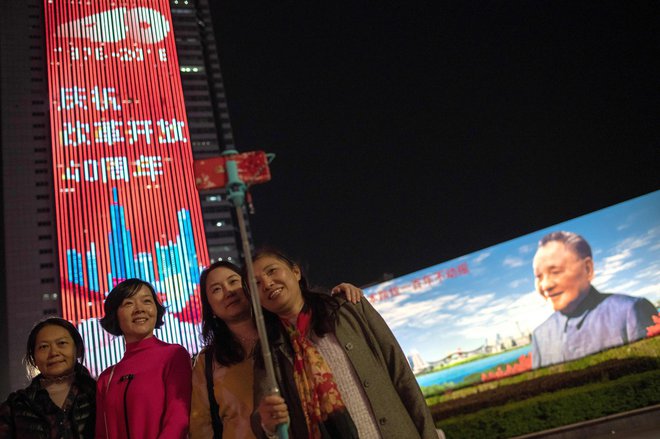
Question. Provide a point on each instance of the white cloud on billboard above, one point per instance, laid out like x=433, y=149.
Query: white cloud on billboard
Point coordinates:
x=645, y=283
x=468, y=311
x=513, y=262
x=481, y=257
x=649, y=273
x=518, y=282
x=635, y=242
x=415, y=312
x=649, y=291
x=507, y=316
x=611, y=266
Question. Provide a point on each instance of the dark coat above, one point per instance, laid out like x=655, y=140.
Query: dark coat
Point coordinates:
x=381, y=366
x=22, y=415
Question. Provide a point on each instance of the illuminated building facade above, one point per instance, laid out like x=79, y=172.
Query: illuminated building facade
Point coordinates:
x=104, y=107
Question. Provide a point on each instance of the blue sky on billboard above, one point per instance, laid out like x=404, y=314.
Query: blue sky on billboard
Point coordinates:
x=466, y=302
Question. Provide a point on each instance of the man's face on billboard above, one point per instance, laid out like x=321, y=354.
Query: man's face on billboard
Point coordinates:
x=561, y=276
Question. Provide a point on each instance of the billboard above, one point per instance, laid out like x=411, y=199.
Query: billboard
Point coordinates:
x=125, y=195
x=504, y=310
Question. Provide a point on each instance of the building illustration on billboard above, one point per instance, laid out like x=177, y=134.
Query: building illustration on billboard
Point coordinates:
x=125, y=196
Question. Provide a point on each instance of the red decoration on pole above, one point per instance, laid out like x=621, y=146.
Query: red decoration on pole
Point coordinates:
x=252, y=169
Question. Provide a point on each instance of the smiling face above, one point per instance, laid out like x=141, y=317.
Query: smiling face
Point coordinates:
x=279, y=290
x=224, y=291
x=54, y=351
x=137, y=315
x=562, y=276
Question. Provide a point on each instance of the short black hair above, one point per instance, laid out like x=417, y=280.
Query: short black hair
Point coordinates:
x=53, y=321
x=575, y=242
x=123, y=290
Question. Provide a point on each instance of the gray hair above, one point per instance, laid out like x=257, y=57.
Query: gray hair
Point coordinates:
x=575, y=242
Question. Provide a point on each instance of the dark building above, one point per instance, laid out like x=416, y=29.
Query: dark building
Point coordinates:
x=29, y=257
x=208, y=117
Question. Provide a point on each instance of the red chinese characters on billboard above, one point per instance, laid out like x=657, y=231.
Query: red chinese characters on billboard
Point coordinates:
x=429, y=280
x=124, y=187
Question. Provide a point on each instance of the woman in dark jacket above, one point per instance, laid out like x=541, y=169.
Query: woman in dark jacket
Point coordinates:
x=339, y=368
x=60, y=401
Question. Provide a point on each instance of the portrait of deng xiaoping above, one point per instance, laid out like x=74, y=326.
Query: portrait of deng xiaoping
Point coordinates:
x=555, y=295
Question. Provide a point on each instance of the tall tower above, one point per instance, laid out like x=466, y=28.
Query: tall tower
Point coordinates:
x=32, y=261
x=208, y=116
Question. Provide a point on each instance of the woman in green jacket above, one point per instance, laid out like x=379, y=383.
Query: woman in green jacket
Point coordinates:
x=340, y=370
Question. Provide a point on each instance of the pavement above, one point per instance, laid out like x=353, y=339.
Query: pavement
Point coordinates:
x=637, y=424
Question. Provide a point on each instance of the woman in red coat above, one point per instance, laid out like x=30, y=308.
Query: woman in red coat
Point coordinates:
x=147, y=394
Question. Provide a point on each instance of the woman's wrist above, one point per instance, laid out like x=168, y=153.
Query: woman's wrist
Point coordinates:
x=269, y=434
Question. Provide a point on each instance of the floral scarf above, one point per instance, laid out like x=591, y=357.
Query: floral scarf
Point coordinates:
x=325, y=412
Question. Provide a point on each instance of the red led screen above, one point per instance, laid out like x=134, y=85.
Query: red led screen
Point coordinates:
x=124, y=187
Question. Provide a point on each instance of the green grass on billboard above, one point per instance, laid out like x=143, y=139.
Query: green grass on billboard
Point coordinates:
x=614, y=381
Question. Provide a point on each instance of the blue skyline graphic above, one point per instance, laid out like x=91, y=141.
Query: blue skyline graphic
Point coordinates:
x=172, y=268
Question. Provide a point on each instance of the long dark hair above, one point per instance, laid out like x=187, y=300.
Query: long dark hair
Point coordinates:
x=322, y=305
x=218, y=338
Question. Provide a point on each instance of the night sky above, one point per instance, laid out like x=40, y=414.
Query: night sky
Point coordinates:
x=411, y=133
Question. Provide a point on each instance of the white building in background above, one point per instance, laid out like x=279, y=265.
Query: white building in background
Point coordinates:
x=416, y=362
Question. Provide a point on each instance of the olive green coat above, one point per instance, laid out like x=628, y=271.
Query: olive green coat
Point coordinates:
x=387, y=379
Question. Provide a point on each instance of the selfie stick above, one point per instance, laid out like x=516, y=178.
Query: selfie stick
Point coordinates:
x=236, y=190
